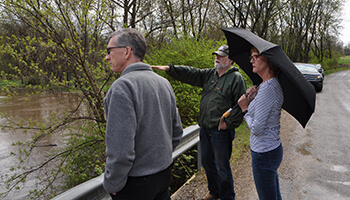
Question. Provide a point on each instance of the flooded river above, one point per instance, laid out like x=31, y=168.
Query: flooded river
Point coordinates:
x=27, y=108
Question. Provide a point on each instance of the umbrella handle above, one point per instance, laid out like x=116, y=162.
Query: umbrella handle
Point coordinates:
x=227, y=113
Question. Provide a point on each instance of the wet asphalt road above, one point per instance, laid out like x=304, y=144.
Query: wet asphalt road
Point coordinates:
x=316, y=163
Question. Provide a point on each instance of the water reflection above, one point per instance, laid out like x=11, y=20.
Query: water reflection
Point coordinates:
x=37, y=107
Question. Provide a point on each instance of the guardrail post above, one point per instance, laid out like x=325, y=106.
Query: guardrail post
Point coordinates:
x=199, y=156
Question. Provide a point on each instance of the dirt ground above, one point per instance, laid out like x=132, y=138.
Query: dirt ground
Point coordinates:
x=196, y=187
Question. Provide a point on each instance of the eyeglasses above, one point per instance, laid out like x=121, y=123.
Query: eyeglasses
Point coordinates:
x=254, y=57
x=109, y=48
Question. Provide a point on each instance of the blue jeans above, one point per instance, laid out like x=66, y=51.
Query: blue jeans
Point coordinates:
x=265, y=174
x=216, y=149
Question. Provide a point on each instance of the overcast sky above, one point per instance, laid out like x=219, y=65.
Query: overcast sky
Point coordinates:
x=345, y=33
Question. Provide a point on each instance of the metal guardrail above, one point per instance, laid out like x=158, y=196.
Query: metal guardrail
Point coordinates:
x=93, y=189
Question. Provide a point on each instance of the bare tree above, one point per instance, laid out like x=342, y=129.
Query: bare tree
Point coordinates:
x=62, y=39
x=63, y=43
x=307, y=26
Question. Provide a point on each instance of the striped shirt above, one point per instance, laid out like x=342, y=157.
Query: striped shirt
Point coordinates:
x=263, y=117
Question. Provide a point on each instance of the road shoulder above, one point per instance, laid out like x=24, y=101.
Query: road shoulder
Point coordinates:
x=196, y=187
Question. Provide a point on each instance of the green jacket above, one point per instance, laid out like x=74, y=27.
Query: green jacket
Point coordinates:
x=218, y=95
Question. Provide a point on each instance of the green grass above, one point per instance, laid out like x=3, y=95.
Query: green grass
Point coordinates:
x=241, y=143
x=344, y=64
x=10, y=83
x=344, y=60
x=331, y=71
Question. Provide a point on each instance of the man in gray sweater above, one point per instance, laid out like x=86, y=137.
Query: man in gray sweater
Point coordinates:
x=143, y=123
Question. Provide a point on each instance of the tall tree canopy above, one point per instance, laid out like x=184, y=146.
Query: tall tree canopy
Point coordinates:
x=60, y=45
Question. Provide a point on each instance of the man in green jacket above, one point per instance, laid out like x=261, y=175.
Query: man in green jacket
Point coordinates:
x=222, y=87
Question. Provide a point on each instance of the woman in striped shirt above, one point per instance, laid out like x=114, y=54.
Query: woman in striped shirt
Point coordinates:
x=263, y=106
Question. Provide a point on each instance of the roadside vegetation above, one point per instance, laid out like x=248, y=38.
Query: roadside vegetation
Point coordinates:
x=345, y=60
x=59, y=46
x=343, y=64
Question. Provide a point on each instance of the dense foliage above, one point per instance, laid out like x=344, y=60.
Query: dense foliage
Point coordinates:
x=59, y=46
x=187, y=52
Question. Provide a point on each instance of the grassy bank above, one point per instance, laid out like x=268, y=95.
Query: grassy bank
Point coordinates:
x=344, y=60
x=344, y=64
x=336, y=70
x=241, y=142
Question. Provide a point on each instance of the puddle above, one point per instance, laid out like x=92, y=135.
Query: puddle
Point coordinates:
x=303, y=149
x=339, y=168
x=340, y=182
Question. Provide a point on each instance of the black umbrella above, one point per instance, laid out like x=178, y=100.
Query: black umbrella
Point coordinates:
x=299, y=94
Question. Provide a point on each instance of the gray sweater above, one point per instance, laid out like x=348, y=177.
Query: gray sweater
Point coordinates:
x=143, y=126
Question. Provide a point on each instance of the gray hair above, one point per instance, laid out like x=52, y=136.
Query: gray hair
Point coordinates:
x=132, y=38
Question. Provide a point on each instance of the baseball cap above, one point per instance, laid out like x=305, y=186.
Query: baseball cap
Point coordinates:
x=222, y=51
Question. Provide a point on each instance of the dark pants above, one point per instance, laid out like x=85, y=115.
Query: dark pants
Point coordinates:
x=265, y=167
x=216, y=147
x=151, y=187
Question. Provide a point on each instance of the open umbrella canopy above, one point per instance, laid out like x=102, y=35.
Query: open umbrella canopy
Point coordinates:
x=299, y=94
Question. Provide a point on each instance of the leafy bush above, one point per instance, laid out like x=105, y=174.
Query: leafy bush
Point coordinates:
x=190, y=52
x=185, y=51
x=327, y=64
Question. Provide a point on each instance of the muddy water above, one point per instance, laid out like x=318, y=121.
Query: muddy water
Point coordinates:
x=35, y=108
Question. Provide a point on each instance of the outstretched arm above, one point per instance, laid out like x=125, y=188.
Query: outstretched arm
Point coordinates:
x=161, y=67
